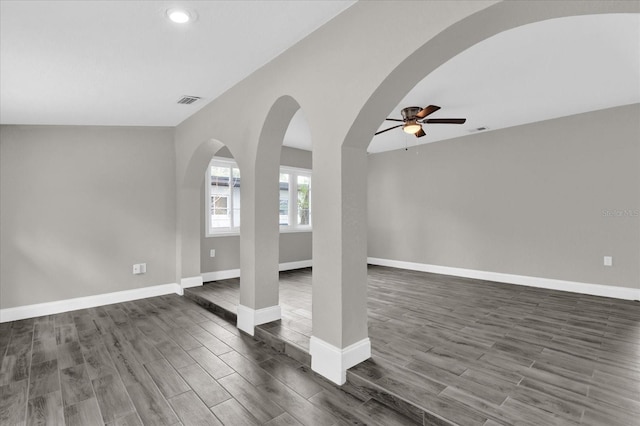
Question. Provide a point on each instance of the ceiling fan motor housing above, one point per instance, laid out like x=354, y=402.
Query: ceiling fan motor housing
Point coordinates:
x=409, y=113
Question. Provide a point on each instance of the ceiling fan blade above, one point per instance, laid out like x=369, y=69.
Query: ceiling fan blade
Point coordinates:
x=446, y=121
x=420, y=133
x=427, y=111
x=394, y=119
x=386, y=130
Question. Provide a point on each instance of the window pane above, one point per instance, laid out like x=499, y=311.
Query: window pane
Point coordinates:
x=219, y=192
x=220, y=204
x=236, y=197
x=284, y=199
x=304, y=198
x=219, y=173
x=223, y=183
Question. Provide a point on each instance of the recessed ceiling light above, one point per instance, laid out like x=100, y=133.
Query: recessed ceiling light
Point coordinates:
x=179, y=16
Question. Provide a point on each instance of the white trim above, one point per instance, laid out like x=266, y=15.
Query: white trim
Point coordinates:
x=224, y=233
x=191, y=282
x=287, y=229
x=284, y=229
x=58, y=306
x=288, y=266
x=248, y=318
x=548, y=283
x=333, y=362
x=265, y=315
x=296, y=170
x=220, y=275
x=235, y=273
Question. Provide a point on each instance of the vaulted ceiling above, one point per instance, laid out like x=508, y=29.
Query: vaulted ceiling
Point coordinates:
x=126, y=64
x=532, y=73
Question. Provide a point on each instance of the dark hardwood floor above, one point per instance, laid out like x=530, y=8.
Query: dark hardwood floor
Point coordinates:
x=446, y=350
x=481, y=353
x=161, y=361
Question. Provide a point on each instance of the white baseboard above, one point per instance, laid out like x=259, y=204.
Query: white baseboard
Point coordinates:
x=288, y=266
x=570, y=286
x=50, y=308
x=248, y=318
x=333, y=362
x=235, y=273
x=191, y=282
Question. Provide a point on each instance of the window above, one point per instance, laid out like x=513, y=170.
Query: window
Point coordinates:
x=284, y=199
x=223, y=197
x=295, y=199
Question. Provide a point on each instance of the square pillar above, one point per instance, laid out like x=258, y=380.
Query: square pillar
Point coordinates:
x=340, y=334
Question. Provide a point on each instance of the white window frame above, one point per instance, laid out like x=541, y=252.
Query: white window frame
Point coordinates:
x=293, y=173
x=217, y=232
x=293, y=226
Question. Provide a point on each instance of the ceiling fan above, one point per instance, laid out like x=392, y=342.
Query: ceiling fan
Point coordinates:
x=414, y=117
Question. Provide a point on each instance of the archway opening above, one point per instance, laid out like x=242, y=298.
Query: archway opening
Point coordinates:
x=296, y=231
x=220, y=221
x=209, y=203
x=281, y=220
x=474, y=183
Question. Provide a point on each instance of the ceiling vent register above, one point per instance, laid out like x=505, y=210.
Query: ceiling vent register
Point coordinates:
x=187, y=100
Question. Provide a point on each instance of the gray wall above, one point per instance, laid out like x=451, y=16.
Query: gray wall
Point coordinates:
x=526, y=200
x=79, y=206
x=294, y=246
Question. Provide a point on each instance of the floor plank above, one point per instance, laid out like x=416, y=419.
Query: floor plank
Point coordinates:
x=46, y=410
x=151, y=406
x=44, y=378
x=192, y=411
x=112, y=397
x=83, y=413
x=168, y=380
x=204, y=385
x=211, y=363
x=75, y=384
x=231, y=412
x=256, y=402
x=13, y=398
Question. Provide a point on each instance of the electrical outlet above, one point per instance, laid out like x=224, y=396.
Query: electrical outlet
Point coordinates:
x=139, y=268
x=212, y=253
x=608, y=261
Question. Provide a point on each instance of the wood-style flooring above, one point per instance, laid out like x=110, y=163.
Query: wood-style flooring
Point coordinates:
x=161, y=361
x=473, y=352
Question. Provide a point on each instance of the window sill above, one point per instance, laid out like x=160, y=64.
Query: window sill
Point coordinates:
x=237, y=233
x=287, y=230
x=224, y=234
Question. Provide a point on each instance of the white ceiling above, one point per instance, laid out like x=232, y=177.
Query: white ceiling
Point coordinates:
x=124, y=63
x=536, y=72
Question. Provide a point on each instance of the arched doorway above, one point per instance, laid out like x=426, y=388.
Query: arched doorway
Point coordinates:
x=347, y=327
x=190, y=208
x=259, y=303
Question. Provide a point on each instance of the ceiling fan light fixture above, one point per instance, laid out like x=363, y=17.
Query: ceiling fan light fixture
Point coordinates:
x=411, y=127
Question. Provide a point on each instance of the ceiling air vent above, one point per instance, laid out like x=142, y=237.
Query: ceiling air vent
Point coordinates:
x=478, y=129
x=187, y=100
